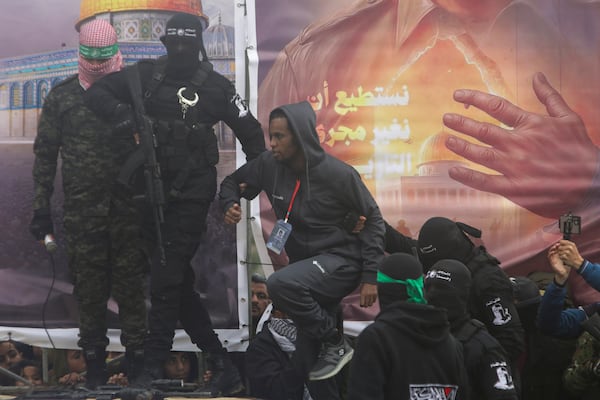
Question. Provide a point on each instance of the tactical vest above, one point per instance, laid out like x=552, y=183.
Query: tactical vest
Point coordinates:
x=184, y=144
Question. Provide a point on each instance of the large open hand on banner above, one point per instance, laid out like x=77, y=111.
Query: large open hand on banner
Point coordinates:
x=546, y=163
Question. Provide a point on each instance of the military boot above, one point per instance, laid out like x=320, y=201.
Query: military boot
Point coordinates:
x=152, y=370
x=225, y=380
x=96, y=372
x=134, y=363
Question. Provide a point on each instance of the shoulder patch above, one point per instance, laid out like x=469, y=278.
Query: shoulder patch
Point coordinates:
x=500, y=313
x=240, y=105
x=504, y=378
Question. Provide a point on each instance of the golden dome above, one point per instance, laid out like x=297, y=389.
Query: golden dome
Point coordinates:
x=434, y=149
x=90, y=8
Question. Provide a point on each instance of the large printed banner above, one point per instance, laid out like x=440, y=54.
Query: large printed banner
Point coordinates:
x=380, y=75
x=36, y=301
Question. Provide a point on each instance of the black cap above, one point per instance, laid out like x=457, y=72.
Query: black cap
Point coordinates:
x=441, y=238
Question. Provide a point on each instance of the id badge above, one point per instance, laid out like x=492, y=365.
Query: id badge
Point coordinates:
x=279, y=235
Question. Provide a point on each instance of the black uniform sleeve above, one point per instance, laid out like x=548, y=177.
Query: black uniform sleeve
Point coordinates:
x=490, y=372
x=396, y=242
x=492, y=303
x=239, y=118
x=249, y=173
x=108, y=92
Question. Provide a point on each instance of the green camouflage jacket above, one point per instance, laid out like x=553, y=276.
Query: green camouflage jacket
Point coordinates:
x=89, y=155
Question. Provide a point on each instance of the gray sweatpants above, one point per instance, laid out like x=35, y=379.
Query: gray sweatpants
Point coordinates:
x=309, y=291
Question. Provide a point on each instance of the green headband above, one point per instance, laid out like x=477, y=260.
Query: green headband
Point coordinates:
x=98, y=52
x=414, y=287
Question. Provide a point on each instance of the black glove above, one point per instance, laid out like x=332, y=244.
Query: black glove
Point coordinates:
x=350, y=221
x=41, y=224
x=124, y=120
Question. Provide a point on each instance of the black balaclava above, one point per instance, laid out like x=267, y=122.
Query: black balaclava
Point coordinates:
x=447, y=285
x=441, y=238
x=400, y=278
x=183, y=41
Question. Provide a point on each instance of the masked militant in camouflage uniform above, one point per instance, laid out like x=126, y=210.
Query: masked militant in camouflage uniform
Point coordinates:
x=102, y=226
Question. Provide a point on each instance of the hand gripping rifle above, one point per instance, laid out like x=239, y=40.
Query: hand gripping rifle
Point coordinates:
x=146, y=155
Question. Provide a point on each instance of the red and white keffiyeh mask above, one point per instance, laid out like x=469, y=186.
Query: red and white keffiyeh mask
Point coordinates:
x=97, y=41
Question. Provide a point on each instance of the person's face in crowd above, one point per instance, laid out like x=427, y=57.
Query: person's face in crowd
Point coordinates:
x=9, y=355
x=260, y=298
x=178, y=366
x=284, y=145
x=76, y=361
x=32, y=374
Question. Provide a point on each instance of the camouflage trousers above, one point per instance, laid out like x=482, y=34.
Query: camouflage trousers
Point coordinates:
x=106, y=259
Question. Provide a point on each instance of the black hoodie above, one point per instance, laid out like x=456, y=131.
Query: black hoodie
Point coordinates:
x=408, y=353
x=329, y=189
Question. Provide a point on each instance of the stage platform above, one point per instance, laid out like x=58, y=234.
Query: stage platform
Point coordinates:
x=66, y=394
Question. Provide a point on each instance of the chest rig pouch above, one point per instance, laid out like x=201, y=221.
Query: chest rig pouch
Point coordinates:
x=185, y=145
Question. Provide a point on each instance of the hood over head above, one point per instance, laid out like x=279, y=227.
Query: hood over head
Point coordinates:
x=423, y=323
x=302, y=121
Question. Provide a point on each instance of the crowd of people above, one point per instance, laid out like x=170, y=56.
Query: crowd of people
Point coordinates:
x=452, y=324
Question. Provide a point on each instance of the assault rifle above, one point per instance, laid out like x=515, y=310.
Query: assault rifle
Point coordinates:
x=160, y=389
x=146, y=155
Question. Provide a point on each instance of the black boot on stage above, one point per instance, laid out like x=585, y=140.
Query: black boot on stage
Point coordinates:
x=96, y=372
x=134, y=363
x=151, y=371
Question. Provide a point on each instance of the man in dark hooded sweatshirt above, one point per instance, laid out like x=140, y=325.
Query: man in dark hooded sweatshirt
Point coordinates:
x=447, y=285
x=408, y=352
x=311, y=193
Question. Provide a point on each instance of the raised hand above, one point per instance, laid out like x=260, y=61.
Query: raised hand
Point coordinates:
x=545, y=163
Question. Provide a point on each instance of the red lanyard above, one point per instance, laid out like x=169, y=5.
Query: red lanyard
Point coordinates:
x=287, y=215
